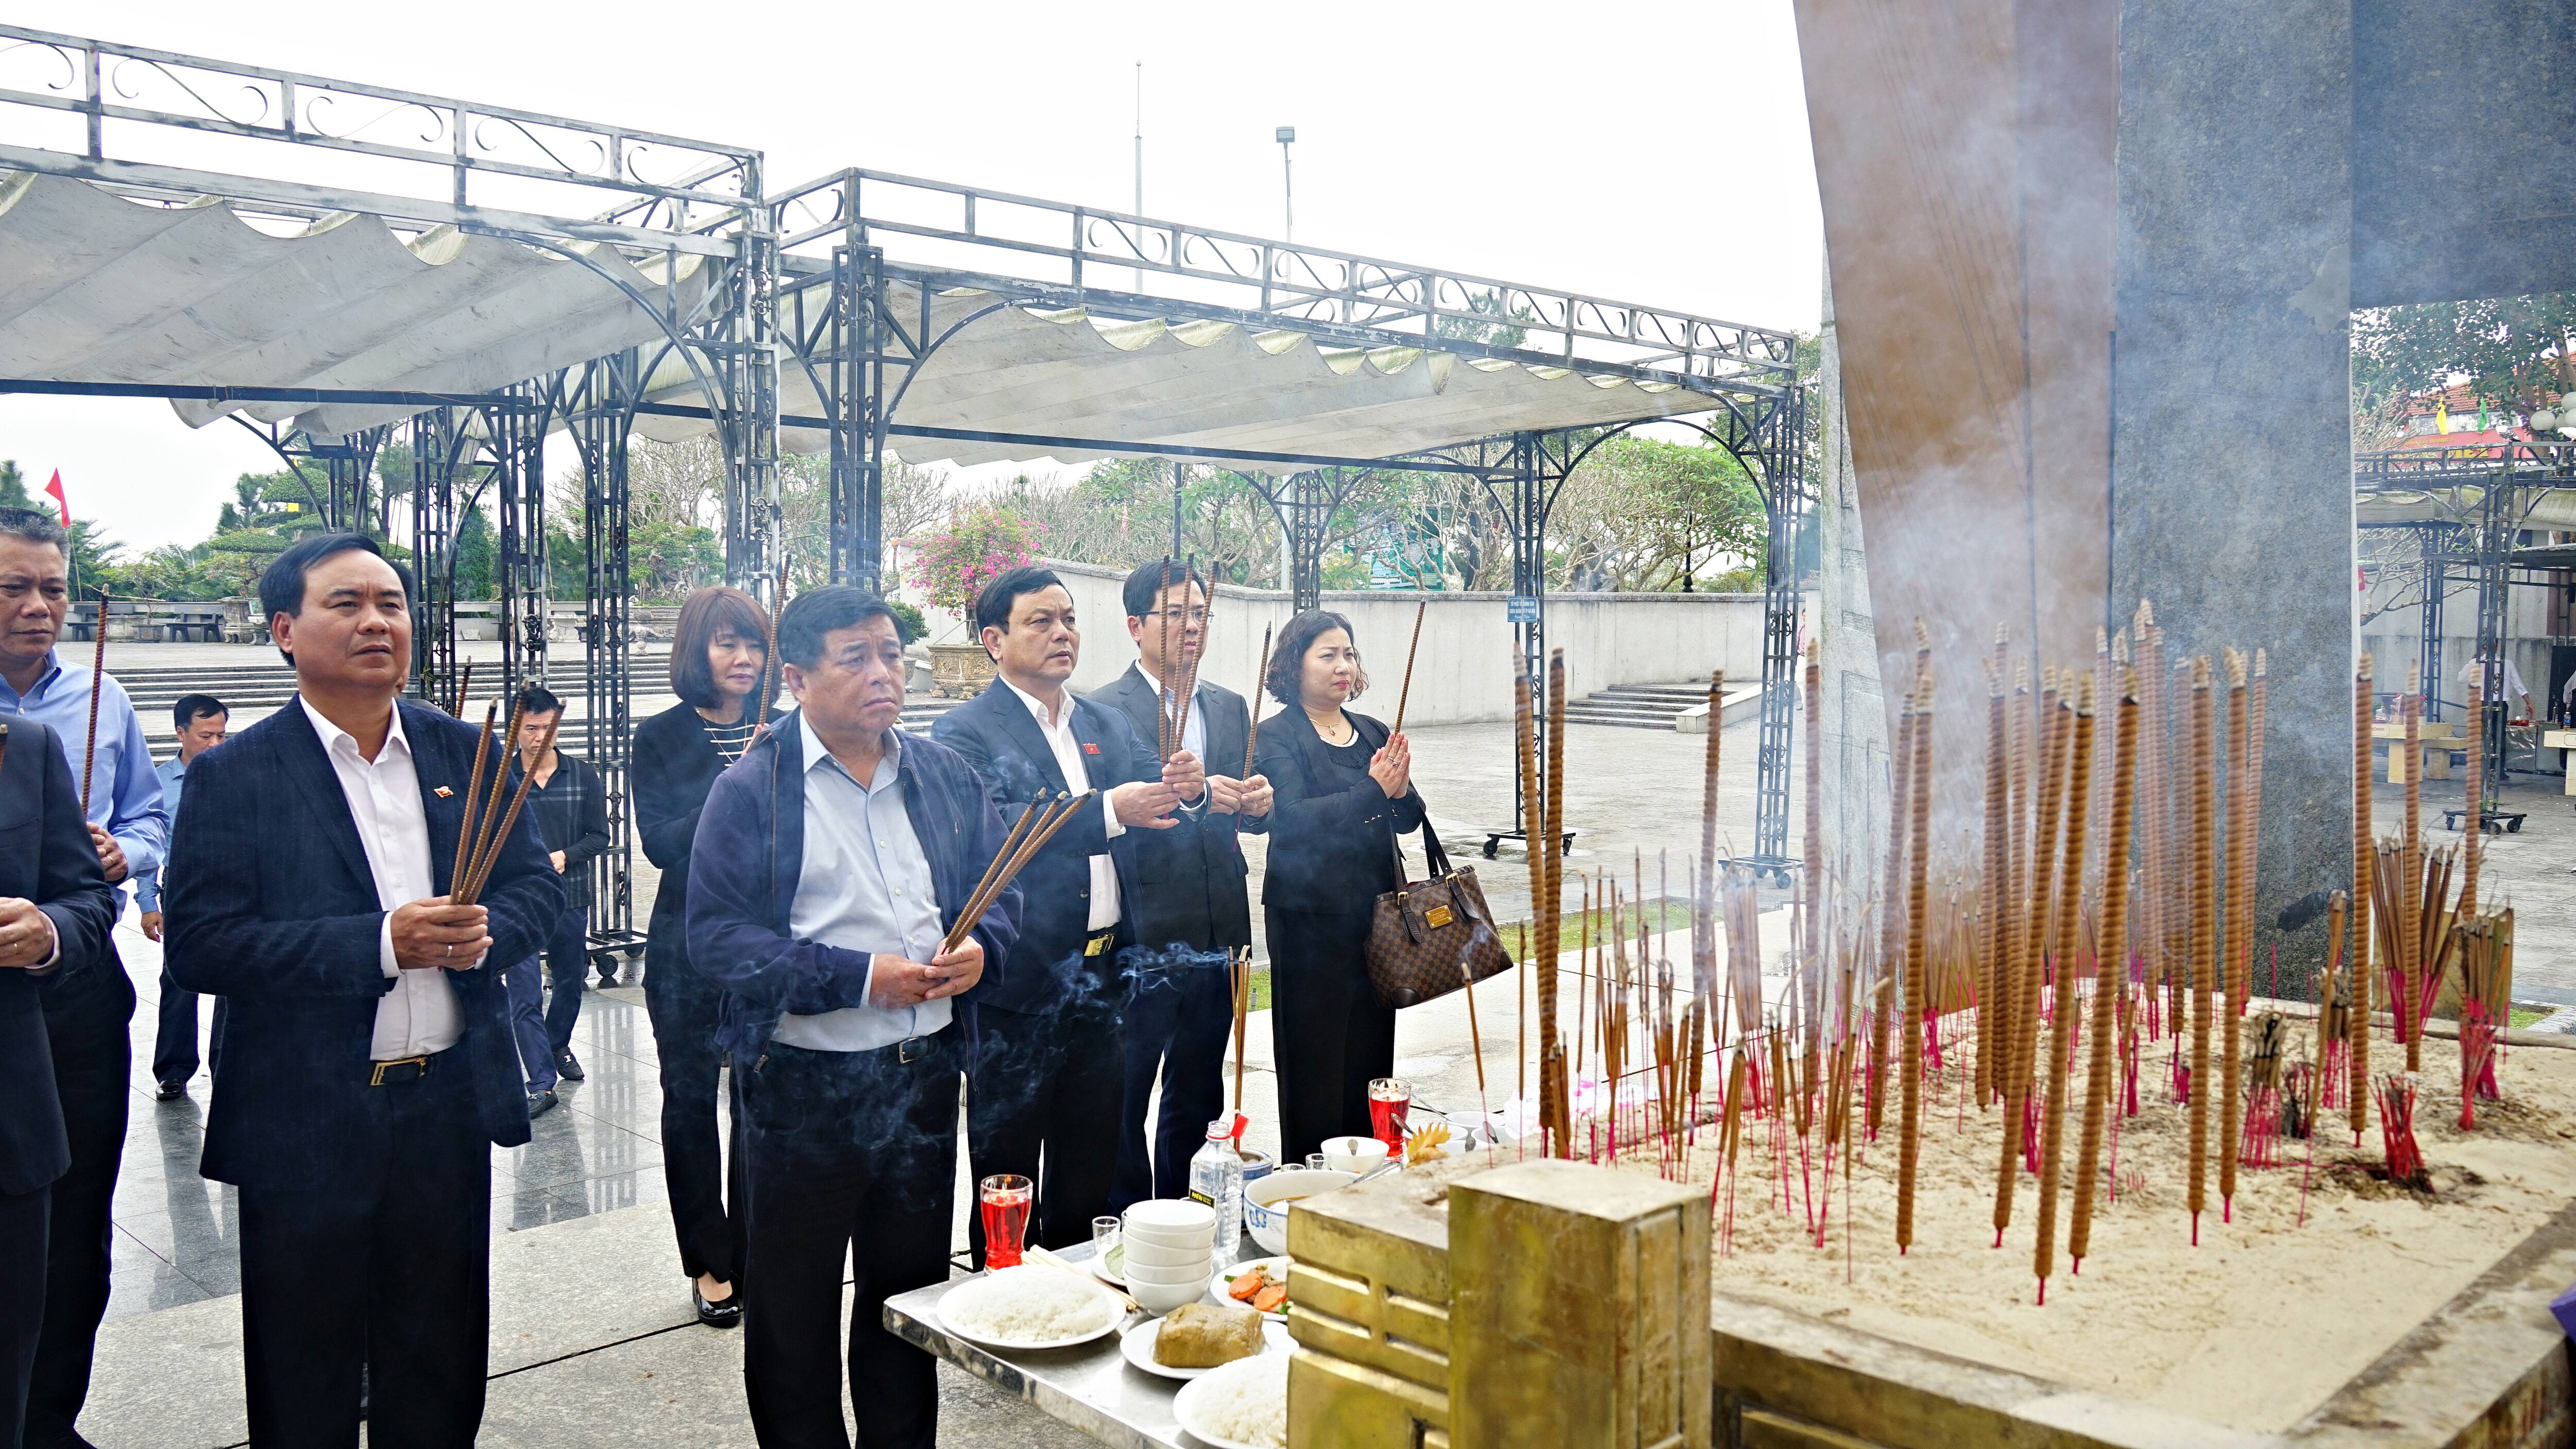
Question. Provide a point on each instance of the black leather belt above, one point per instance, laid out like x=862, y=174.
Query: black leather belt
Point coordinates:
x=401, y=1069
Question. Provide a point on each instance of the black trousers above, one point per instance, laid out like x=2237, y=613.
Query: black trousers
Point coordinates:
x=852, y=1154
x=22, y=1303
x=1042, y=1101
x=1178, y=1019
x=85, y=1024
x=1331, y=1037
x=174, y=1044
x=683, y=1006
x=386, y=1268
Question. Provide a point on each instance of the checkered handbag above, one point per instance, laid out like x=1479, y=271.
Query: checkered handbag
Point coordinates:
x=1431, y=937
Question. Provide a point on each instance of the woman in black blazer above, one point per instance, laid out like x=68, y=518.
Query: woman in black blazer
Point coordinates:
x=1344, y=791
x=715, y=670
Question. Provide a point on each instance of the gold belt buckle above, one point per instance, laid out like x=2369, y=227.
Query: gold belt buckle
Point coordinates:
x=1096, y=945
x=378, y=1079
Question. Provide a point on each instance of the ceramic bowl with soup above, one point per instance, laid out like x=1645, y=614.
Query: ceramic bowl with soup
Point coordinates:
x=1267, y=1203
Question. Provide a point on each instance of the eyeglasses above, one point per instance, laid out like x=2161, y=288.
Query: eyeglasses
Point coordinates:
x=1194, y=616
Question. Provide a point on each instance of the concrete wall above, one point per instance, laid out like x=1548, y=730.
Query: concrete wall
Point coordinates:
x=1464, y=671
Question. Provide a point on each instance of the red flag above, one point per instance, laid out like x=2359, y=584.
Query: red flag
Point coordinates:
x=54, y=490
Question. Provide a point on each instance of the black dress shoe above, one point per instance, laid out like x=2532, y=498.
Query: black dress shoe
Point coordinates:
x=568, y=1067
x=540, y=1103
x=727, y=1314
x=171, y=1091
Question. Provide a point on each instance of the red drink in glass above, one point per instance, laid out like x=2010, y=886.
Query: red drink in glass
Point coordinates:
x=1005, y=1200
x=1389, y=1101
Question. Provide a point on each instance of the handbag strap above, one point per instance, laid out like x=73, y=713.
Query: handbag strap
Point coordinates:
x=1434, y=858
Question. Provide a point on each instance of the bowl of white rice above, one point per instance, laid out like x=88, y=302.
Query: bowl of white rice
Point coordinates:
x=1029, y=1307
x=1241, y=1405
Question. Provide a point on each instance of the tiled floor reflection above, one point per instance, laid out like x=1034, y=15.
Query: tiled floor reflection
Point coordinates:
x=175, y=1231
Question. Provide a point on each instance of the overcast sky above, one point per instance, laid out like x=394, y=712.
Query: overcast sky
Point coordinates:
x=1650, y=151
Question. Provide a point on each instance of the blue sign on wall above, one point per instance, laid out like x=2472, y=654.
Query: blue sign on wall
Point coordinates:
x=1521, y=609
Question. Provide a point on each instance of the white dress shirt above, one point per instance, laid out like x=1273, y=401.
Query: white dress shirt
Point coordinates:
x=418, y=1016
x=864, y=886
x=1068, y=758
x=1193, y=734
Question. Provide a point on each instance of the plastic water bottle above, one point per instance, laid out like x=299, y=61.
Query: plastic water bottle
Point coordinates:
x=1216, y=1178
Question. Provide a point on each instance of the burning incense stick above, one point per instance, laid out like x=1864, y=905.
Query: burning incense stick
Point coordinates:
x=2473, y=824
x=464, y=683
x=2052, y=1126
x=1252, y=730
x=2205, y=918
x=456, y=870
x=1990, y=978
x=1190, y=676
x=1048, y=823
x=2410, y=872
x=1551, y=836
x=1814, y=874
x=2021, y=972
x=1163, y=696
x=1405, y=695
x=1537, y=959
x=2240, y=893
x=992, y=868
x=1239, y=979
x=97, y=672
x=492, y=856
x=483, y=837
x=2359, y=1055
x=1918, y=848
x=2110, y=968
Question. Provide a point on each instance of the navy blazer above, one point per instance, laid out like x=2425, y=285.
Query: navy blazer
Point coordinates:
x=45, y=857
x=1001, y=739
x=1190, y=879
x=269, y=903
x=749, y=854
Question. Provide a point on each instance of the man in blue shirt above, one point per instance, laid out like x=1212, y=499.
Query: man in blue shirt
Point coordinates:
x=85, y=1013
x=199, y=721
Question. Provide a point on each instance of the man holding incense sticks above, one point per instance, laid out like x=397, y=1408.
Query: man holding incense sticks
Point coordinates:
x=1190, y=906
x=347, y=879
x=831, y=863
x=85, y=1012
x=1048, y=1078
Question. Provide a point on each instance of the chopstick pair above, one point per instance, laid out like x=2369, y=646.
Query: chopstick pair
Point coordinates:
x=478, y=843
x=1038, y=826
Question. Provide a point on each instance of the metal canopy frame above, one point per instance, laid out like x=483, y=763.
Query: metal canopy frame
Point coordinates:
x=550, y=181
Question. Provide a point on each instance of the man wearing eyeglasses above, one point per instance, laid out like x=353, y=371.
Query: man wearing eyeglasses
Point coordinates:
x=1190, y=908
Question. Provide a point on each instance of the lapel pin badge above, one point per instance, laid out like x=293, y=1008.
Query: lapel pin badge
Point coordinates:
x=443, y=792
x=1089, y=748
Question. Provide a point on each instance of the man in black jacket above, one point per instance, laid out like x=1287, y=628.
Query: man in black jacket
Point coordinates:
x=1043, y=1094
x=1190, y=909
x=368, y=1066
x=571, y=810
x=55, y=915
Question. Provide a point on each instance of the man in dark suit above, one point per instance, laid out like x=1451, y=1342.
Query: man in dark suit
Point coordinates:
x=1043, y=1092
x=55, y=914
x=1189, y=907
x=370, y=1068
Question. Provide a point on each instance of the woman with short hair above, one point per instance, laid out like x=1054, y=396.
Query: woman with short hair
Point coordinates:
x=1343, y=792
x=716, y=668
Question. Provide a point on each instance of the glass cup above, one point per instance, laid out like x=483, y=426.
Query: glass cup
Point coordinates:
x=1005, y=1199
x=1388, y=1101
x=1317, y=1162
x=1104, y=1234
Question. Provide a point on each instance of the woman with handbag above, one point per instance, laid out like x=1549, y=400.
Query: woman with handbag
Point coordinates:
x=1343, y=791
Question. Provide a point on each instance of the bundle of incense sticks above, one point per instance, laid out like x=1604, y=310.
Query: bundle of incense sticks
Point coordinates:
x=486, y=836
x=2110, y=968
x=1404, y=696
x=2410, y=865
x=2396, y=1093
x=1034, y=828
x=97, y=672
x=2019, y=1055
x=2486, y=983
x=2070, y=889
x=2358, y=1056
x=2207, y=950
x=2232, y=968
x=2473, y=825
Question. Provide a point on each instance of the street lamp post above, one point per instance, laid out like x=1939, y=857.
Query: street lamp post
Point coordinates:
x=1287, y=184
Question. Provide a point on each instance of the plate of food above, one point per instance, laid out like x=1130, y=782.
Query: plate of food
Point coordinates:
x=1109, y=1265
x=1243, y=1405
x=1200, y=1338
x=1029, y=1307
x=1262, y=1283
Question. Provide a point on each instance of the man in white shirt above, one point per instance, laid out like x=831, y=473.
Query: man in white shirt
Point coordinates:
x=368, y=1065
x=1045, y=1087
x=830, y=864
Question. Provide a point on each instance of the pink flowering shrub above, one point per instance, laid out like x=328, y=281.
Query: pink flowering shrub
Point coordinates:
x=982, y=542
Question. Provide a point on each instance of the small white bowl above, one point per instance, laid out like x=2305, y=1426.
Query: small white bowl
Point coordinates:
x=1353, y=1155
x=1159, y=1299
x=1142, y=1254
x=1265, y=1205
x=1170, y=1222
x=1173, y=1277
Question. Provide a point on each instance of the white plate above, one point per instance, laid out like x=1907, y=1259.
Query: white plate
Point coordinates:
x=1185, y=1408
x=1113, y=1274
x=938, y=1311
x=1278, y=1270
x=1138, y=1344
